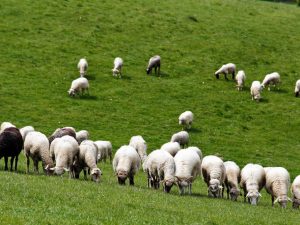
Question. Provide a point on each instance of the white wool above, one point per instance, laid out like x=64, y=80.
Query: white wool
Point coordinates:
x=5, y=125
x=80, y=85
x=226, y=69
x=154, y=62
x=171, y=147
x=186, y=119
x=240, y=79
x=297, y=88
x=197, y=150
x=295, y=188
x=255, y=90
x=104, y=150
x=25, y=130
x=118, y=64
x=181, y=137
x=232, y=179
x=271, y=79
x=140, y=146
x=82, y=66
x=82, y=135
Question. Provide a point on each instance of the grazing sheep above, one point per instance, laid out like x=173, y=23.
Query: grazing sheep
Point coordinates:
x=181, y=137
x=154, y=62
x=140, y=146
x=79, y=86
x=36, y=146
x=255, y=90
x=226, y=69
x=88, y=153
x=186, y=119
x=25, y=130
x=60, y=132
x=240, y=79
x=171, y=147
x=82, y=66
x=117, y=70
x=277, y=185
x=104, y=150
x=11, y=144
x=160, y=168
x=297, y=88
x=296, y=192
x=271, y=79
x=5, y=125
x=197, y=150
x=232, y=179
x=213, y=171
x=253, y=179
x=82, y=135
x=126, y=163
x=188, y=167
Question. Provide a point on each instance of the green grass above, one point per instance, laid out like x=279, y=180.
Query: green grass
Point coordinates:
x=41, y=43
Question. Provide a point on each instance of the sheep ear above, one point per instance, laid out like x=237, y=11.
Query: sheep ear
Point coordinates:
x=220, y=187
x=53, y=168
x=289, y=199
x=259, y=194
x=247, y=195
x=276, y=200
x=66, y=169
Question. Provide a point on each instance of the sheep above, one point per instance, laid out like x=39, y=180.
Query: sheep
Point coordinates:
x=140, y=146
x=181, y=137
x=155, y=62
x=160, y=168
x=79, y=86
x=232, y=179
x=186, y=119
x=188, y=167
x=36, y=146
x=82, y=66
x=240, y=80
x=213, y=171
x=60, y=132
x=296, y=192
x=297, y=88
x=226, y=69
x=271, y=79
x=197, y=150
x=82, y=135
x=25, y=130
x=117, y=70
x=11, y=144
x=5, y=125
x=171, y=147
x=277, y=185
x=255, y=90
x=104, y=150
x=87, y=159
x=126, y=163
x=253, y=179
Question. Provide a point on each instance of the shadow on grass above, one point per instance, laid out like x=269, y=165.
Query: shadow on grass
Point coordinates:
x=263, y=100
x=280, y=91
x=90, y=77
x=195, y=130
x=124, y=77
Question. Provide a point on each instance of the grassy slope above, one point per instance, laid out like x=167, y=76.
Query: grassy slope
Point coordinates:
x=40, y=46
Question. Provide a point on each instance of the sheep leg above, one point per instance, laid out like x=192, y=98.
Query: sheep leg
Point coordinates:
x=84, y=172
x=28, y=162
x=158, y=70
x=6, y=161
x=233, y=74
x=11, y=163
x=272, y=201
x=131, y=181
x=36, y=166
x=190, y=189
x=225, y=74
x=227, y=190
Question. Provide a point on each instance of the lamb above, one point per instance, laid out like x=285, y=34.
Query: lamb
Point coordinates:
x=171, y=147
x=297, y=88
x=232, y=179
x=277, y=185
x=213, y=171
x=186, y=119
x=188, y=167
x=271, y=79
x=60, y=132
x=104, y=150
x=11, y=144
x=154, y=62
x=181, y=137
x=82, y=66
x=79, y=86
x=296, y=192
x=253, y=179
x=36, y=146
x=82, y=135
x=140, y=146
x=240, y=80
x=255, y=90
x=5, y=125
x=126, y=163
x=25, y=130
x=226, y=69
x=160, y=168
x=117, y=70
x=88, y=153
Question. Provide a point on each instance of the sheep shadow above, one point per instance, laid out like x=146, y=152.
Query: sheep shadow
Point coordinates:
x=87, y=97
x=90, y=77
x=124, y=77
x=194, y=130
x=280, y=91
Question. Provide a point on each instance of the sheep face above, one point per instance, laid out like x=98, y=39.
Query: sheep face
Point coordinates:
x=48, y=170
x=96, y=174
x=71, y=92
x=214, y=188
x=253, y=197
x=296, y=203
x=168, y=185
x=59, y=170
x=122, y=176
x=217, y=75
x=296, y=93
x=234, y=194
x=282, y=200
x=148, y=70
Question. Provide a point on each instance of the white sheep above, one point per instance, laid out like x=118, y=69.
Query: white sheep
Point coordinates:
x=226, y=69
x=104, y=150
x=140, y=146
x=25, y=130
x=186, y=119
x=213, y=171
x=240, y=80
x=255, y=90
x=271, y=79
x=82, y=135
x=5, y=125
x=36, y=146
x=171, y=147
x=126, y=163
x=297, y=88
x=253, y=179
x=197, y=150
x=277, y=185
x=154, y=62
x=296, y=192
x=160, y=168
x=82, y=66
x=181, y=137
x=79, y=86
x=118, y=64
x=188, y=167
x=232, y=179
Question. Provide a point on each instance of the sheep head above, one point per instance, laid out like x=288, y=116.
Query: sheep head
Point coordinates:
x=71, y=92
x=234, y=194
x=59, y=170
x=167, y=184
x=48, y=170
x=122, y=176
x=214, y=188
x=253, y=197
x=96, y=174
x=296, y=203
x=282, y=200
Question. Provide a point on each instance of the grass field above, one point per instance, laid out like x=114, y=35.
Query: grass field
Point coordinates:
x=41, y=43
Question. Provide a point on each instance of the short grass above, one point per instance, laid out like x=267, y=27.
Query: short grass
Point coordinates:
x=41, y=43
